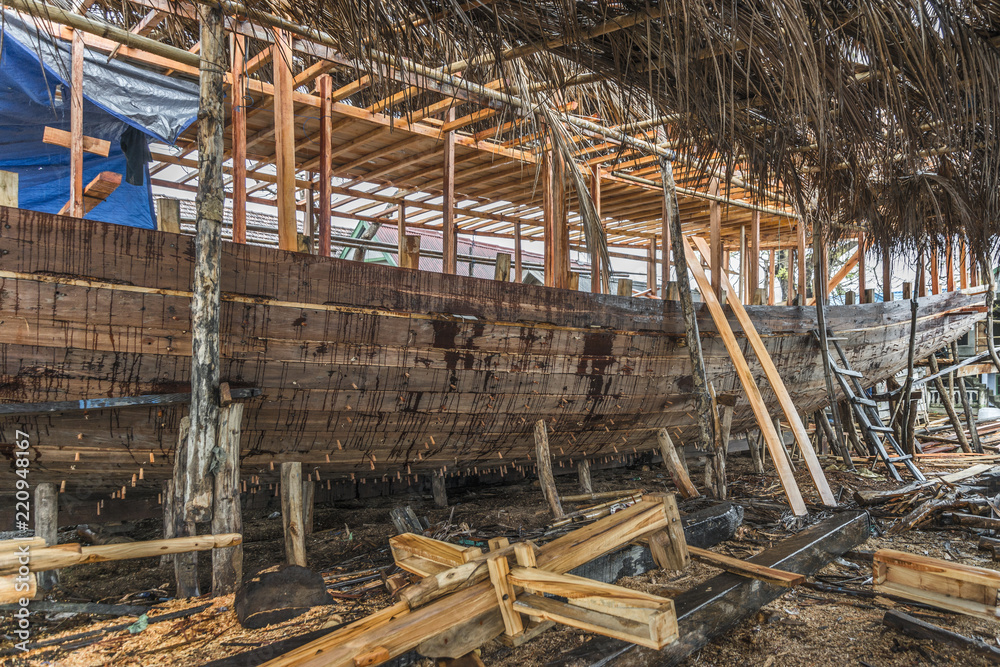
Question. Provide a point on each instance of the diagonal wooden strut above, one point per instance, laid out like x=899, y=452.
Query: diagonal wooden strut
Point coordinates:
x=774, y=446
x=777, y=385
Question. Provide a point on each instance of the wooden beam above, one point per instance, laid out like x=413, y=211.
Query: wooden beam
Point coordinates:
x=753, y=267
x=47, y=526
x=325, y=164
x=98, y=190
x=778, y=387
x=675, y=465
x=76, y=129
x=8, y=188
x=284, y=125
x=862, y=268
x=57, y=137
x=935, y=277
x=409, y=257
x=598, y=283
x=949, y=265
x=715, y=222
x=450, y=235
x=238, y=140
x=886, y=274
x=800, y=239
x=774, y=444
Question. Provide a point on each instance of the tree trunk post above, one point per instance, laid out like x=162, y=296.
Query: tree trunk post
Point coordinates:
x=291, y=513
x=47, y=526
x=544, y=462
x=439, y=490
x=969, y=417
x=227, y=517
x=583, y=475
x=186, y=564
x=308, y=505
x=169, y=528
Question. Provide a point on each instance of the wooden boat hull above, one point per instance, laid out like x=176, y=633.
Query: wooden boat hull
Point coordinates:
x=368, y=370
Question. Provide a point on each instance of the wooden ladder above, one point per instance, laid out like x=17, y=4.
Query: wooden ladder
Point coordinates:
x=865, y=410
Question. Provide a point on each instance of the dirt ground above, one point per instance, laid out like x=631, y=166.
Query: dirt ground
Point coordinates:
x=803, y=627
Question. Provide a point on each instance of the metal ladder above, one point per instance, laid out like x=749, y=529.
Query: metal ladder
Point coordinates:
x=880, y=437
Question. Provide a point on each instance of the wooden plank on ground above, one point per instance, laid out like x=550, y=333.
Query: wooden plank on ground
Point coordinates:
x=747, y=569
x=778, y=386
x=774, y=445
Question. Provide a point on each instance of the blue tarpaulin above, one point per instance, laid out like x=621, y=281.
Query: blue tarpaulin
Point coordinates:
x=35, y=93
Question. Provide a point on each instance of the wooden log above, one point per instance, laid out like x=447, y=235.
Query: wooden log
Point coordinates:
x=914, y=627
x=583, y=476
x=501, y=270
x=973, y=520
x=699, y=376
x=186, y=565
x=753, y=266
x=745, y=375
x=6, y=546
x=867, y=497
x=227, y=516
x=949, y=407
x=624, y=287
x=584, y=497
x=76, y=129
x=715, y=255
x=65, y=555
x=238, y=136
x=168, y=215
x=439, y=491
x=47, y=526
x=291, y=513
x=970, y=419
x=747, y=569
x=8, y=188
x=544, y=462
x=672, y=462
x=14, y=588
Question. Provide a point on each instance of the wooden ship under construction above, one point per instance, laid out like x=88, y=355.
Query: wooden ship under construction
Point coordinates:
x=334, y=250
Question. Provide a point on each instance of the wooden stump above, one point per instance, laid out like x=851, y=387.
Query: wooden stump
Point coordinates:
x=583, y=475
x=227, y=517
x=544, y=463
x=47, y=526
x=439, y=491
x=291, y=513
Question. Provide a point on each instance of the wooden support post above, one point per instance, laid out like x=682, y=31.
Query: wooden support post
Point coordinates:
x=76, y=128
x=715, y=224
x=949, y=265
x=284, y=134
x=921, y=275
x=544, y=463
x=47, y=526
x=800, y=238
x=8, y=188
x=501, y=270
x=949, y=406
x=771, y=268
x=651, y=266
x=665, y=235
x=963, y=265
x=907, y=291
x=449, y=247
x=400, y=232
x=169, y=526
x=238, y=128
x=668, y=547
x=227, y=517
x=308, y=505
x=561, y=267
x=185, y=565
x=597, y=281
x=291, y=513
x=747, y=380
x=970, y=419
x=718, y=458
x=325, y=84
x=703, y=403
x=886, y=274
x=438, y=490
x=789, y=278
x=518, y=271
x=673, y=462
x=850, y=298
x=624, y=287
x=753, y=266
x=195, y=486
x=168, y=215
x=410, y=256
x=935, y=278
x=862, y=275
x=583, y=476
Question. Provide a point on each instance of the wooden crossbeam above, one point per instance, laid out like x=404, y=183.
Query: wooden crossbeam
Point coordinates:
x=771, y=438
x=747, y=569
x=96, y=191
x=777, y=385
